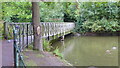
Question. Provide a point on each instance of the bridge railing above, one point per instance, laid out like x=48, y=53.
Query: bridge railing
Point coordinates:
x=48, y=29
x=51, y=29
x=25, y=31
x=22, y=35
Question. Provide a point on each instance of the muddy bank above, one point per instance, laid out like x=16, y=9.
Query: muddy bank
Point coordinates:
x=97, y=34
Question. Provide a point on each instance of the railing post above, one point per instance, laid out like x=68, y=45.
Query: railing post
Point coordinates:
x=20, y=36
x=48, y=32
x=15, y=45
x=23, y=36
x=31, y=31
x=18, y=60
x=27, y=36
x=5, y=31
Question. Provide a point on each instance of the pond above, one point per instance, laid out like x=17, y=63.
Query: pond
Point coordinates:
x=90, y=50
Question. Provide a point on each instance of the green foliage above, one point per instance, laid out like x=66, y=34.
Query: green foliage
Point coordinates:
x=46, y=45
x=51, y=12
x=17, y=11
x=57, y=53
x=93, y=12
x=58, y=11
x=1, y=30
x=99, y=10
x=0, y=11
x=10, y=32
x=71, y=11
x=103, y=25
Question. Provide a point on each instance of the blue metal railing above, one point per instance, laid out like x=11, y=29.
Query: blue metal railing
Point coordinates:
x=18, y=58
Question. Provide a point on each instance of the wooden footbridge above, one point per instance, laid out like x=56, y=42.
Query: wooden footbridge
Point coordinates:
x=23, y=35
x=48, y=29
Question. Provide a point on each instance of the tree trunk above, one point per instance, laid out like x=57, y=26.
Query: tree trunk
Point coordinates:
x=37, y=44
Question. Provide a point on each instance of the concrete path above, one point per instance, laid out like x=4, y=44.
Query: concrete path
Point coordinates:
x=35, y=58
x=31, y=58
x=7, y=53
x=0, y=53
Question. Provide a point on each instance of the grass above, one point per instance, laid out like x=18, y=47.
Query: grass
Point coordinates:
x=1, y=38
x=30, y=63
x=30, y=48
x=46, y=45
x=25, y=56
x=39, y=55
x=57, y=53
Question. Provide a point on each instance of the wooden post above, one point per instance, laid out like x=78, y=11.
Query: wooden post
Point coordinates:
x=37, y=45
x=27, y=36
x=23, y=35
x=15, y=51
x=62, y=38
x=5, y=31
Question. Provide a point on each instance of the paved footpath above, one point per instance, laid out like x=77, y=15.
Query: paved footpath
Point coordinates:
x=0, y=53
x=35, y=58
x=31, y=58
x=7, y=53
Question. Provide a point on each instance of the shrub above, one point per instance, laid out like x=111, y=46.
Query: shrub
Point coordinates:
x=46, y=45
x=103, y=25
x=57, y=53
x=1, y=30
x=92, y=14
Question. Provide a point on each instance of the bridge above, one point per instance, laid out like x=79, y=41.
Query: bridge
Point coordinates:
x=23, y=35
x=49, y=29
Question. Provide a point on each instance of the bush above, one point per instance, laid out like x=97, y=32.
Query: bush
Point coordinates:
x=103, y=25
x=1, y=30
x=56, y=52
x=46, y=45
x=92, y=14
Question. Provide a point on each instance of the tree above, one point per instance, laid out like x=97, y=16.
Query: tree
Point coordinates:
x=37, y=45
x=98, y=17
x=22, y=13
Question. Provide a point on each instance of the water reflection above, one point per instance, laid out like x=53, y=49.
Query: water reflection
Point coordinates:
x=87, y=51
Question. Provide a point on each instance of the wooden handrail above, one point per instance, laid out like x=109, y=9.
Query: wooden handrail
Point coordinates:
x=48, y=28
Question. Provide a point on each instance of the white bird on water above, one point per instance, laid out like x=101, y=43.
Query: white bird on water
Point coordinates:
x=108, y=51
x=114, y=48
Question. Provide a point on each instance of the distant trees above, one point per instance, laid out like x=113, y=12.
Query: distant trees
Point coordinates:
x=71, y=11
x=17, y=11
x=0, y=11
x=49, y=12
x=67, y=12
x=99, y=17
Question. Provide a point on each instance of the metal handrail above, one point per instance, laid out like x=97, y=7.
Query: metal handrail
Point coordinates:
x=18, y=58
x=23, y=36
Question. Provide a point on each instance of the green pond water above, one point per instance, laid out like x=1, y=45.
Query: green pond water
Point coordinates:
x=90, y=50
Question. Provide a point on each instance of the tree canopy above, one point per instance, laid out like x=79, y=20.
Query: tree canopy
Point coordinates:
x=99, y=17
x=87, y=15
x=49, y=11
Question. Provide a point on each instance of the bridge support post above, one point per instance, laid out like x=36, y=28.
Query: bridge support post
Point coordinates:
x=62, y=38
